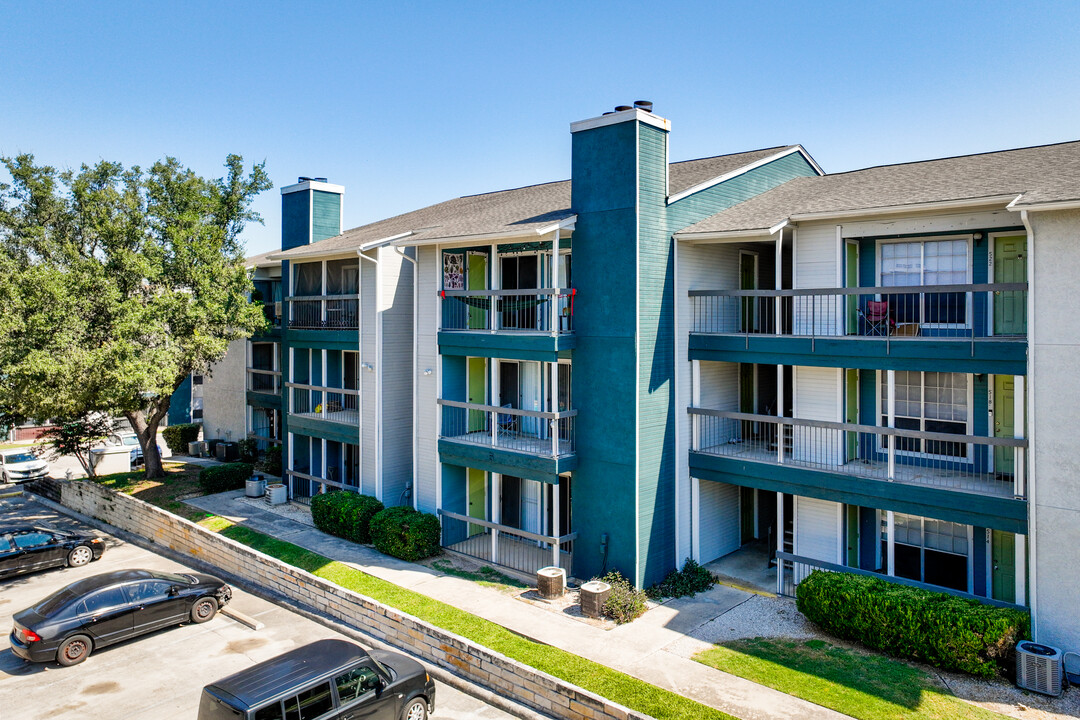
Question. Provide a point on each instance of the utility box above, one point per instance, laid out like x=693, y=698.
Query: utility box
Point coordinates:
x=593, y=596
x=551, y=582
x=227, y=451
x=111, y=459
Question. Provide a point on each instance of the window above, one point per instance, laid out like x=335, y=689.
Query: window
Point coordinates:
x=270, y=712
x=103, y=600
x=147, y=590
x=32, y=539
x=5, y=543
x=927, y=262
x=353, y=684
x=309, y=704
x=928, y=402
x=930, y=551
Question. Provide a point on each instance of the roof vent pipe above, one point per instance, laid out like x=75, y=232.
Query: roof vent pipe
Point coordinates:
x=645, y=105
x=304, y=178
x=621, y=108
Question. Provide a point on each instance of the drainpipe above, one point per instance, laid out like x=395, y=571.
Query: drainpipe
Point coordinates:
x=1032, y=545
x=415, y=380
x=378, y=377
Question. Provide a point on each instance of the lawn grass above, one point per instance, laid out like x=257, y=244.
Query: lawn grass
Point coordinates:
x=181, y=480
x=863, y=685
x=602, y=680
x=484, y=576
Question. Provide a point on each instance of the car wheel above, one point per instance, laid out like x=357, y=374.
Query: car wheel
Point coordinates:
x=205, y=608
x=415, y=709
x=80, y=556
x=74, y=650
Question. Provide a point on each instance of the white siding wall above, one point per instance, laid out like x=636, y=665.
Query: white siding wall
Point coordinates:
x=719, y=533
x=396, y=365
x=815, y=267
x=817, y=397
x=816, y=529
x=224, y=394
x=701, y=267
x=368, y=410
x=427, y=431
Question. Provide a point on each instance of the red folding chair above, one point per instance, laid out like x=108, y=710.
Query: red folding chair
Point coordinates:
x=877, y=317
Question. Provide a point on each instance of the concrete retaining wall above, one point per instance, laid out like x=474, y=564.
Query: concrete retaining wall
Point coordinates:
x=489, y=669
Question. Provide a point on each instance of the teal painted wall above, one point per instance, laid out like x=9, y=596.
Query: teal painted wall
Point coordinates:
x=180, y=403
x=295, y=214
x=326, y=215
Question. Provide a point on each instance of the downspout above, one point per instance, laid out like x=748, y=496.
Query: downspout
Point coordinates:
x=378, y=378
x=412, y=487
x=1032, y=548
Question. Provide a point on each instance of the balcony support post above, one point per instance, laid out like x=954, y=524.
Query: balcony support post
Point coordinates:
x=890, y=542
x=494, y=284
x=496, y=514
x=779, y=414
x=554, y=422
x=1018, y=432
x=779, y=280
x=780, y=533
x=695, y=401
x=322, y=302
x=891, y=409
x=555, y=524
x=554, y=284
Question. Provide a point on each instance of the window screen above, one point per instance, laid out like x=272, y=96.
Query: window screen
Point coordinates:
x=308, y=278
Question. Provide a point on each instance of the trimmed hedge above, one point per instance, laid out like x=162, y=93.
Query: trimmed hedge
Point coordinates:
x=177, y=437
x=345, y=514
x=220, y=478
x=943, y=630
x=406, y=533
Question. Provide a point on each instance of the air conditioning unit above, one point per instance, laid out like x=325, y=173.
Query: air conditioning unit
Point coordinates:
x=1038, y=668
x=277, y=308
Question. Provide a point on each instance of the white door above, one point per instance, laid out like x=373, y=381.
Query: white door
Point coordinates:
x=530, y=505
x=530, y=398
x=718, y=533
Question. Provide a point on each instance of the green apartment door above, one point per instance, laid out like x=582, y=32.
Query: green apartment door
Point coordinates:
x=747, y=508
x=851, y=279
x=1004, y=421
x=1003, y=559
x=851, y=411
x=476, y=279
x=1010, y=266
x=477, y=393
x=477, y=499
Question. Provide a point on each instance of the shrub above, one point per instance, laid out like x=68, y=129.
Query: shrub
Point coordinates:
x=249, y=450
x=345, y=514
x=626, y=602
x=692, y=579
x=943, y=630
x=219, y=478
x=406, y=533
x=271, y=464
x=177, y=437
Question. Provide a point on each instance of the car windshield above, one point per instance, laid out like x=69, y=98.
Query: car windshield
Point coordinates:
x=170, y=577
x=19, y=457
x=55, y=602
x=131, y=440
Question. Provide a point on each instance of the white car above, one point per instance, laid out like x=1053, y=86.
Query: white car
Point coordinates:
x=21, y=465
x=131, y=440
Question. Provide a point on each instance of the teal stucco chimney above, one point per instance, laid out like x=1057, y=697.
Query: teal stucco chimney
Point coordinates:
x=310, y=212
x=624, y=358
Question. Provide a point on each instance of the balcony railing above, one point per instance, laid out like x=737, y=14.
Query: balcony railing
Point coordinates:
x=324, y=403
x=519, y=311
x=303, y=486
x=507, y=546
x=264, y=381
x=958, y=312
x=546, y=434
x=793, y=569
x=329, y=312
x=966, y=463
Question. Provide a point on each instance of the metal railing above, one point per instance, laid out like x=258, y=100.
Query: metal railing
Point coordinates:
x=547, y=434
x=507, y=546
x=303, y=486
x=793, y=569
x=546, y=310
x=963, y=312
x=264, y=381
x=966, y=463
x=324, y=403
x=329, y=312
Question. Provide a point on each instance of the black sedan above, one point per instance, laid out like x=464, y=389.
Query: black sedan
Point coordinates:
x=105, y=609
x=25, y=548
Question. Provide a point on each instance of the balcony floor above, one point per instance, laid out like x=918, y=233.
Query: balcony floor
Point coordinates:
x=513, y=442
x=944, y=478
x=345, y=417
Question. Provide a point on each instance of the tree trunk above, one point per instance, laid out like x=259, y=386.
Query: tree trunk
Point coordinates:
x=146, y=427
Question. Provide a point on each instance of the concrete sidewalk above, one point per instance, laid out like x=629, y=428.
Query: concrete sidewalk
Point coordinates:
x=645, y=648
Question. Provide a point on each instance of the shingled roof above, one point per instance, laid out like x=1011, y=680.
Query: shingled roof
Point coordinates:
x=521, y=211
x=1042, y=174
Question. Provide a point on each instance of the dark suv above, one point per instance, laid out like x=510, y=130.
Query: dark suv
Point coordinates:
x=326, y=679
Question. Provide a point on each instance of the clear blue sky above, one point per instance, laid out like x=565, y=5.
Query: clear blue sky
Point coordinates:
x=408, y=104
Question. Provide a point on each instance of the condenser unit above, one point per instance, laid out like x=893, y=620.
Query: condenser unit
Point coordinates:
x=1038, y=668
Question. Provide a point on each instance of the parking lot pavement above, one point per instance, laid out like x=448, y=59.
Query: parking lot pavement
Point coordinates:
x=158, y=675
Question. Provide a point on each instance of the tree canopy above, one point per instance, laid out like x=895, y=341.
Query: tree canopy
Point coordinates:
x=117, y=283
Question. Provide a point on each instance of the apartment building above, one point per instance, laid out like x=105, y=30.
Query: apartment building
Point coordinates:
x=653, y=361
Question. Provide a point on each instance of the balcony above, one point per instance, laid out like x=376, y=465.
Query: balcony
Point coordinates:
x=982, y=325
x=543, y=434
x=324, y=312
x=962, y=463
x=264, y=381
x=525, y=324
x=337, y=405
x=507, y=546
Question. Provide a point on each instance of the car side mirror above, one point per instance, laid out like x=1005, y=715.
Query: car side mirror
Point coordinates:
x=174, y=591
x=369, y=681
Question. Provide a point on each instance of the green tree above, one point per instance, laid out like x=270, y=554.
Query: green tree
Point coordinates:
x=117, y=284
x=77, y=436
